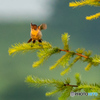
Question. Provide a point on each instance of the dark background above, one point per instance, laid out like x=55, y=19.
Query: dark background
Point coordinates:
x=14, y=70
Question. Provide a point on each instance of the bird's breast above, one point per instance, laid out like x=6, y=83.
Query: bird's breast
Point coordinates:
x=36, y=34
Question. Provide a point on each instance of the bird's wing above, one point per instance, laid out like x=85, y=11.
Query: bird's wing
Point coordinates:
x=42, y=26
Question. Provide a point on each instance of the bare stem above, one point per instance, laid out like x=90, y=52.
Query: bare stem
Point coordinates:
x=75, y=53
x=70, y=85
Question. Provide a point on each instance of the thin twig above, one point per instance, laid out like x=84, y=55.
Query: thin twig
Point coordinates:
x=70, y=85
x=75, y=53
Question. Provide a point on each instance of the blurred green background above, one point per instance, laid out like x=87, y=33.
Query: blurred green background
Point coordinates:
x=15, y=19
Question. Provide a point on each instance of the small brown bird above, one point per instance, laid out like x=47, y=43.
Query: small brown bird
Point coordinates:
x=36, y=33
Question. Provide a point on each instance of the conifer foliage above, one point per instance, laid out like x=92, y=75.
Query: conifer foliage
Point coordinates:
x=44, y=51
x=95, y=3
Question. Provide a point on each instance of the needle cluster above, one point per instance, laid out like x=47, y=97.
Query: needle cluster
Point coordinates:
x=95, y=3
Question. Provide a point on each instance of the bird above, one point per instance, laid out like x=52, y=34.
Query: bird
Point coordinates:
x=36, y=33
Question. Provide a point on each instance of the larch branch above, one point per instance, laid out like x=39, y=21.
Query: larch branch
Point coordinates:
x=75, y=53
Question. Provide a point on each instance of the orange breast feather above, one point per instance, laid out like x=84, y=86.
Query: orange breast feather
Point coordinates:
x=34, y=34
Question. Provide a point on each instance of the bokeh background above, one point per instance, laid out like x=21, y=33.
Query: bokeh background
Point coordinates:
x=15, y=19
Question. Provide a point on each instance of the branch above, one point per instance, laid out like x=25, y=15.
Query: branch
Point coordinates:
x=45, y=50
x=71, y=85
x=75, y=53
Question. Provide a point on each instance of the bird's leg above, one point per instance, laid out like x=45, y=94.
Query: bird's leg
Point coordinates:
x=29, y=40
x=40, y=40
x=34, y=41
